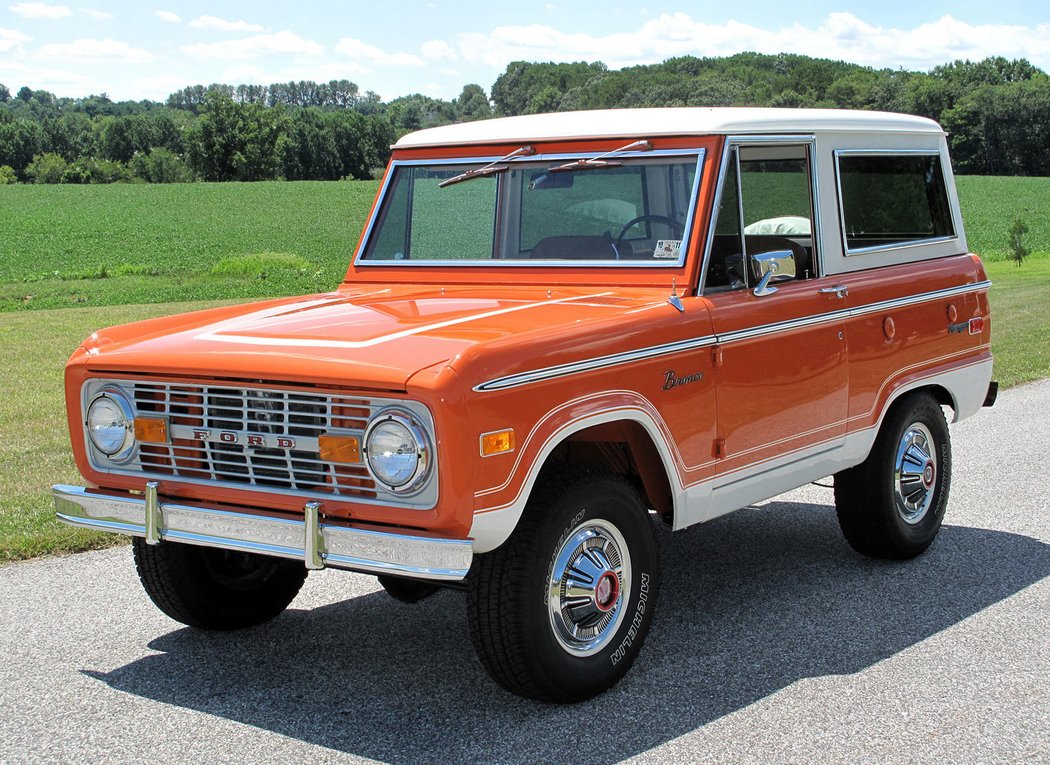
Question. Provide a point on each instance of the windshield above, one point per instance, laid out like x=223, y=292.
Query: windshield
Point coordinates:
x=634, y=211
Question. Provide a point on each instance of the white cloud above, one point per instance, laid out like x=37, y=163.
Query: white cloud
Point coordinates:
x=11, y=40
x=438, y=50
x=169, y=16
x=96, y=14
x=838, y=36
x=214, y=22
x=40, y=11
x=61, y=82
x=362, y=51
x=284, y=42
x=107, y=51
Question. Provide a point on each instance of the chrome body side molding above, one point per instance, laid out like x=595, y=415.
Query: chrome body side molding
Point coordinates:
x=641, y=354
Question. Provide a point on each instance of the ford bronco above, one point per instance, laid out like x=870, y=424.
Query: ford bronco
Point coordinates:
x=557, y=331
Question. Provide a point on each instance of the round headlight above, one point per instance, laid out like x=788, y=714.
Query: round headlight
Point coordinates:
x=397, y=451
x=111, y=423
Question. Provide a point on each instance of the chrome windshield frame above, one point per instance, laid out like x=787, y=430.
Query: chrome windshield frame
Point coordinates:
x=700, y=153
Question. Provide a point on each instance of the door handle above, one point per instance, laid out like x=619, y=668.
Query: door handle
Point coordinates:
x=839, y=290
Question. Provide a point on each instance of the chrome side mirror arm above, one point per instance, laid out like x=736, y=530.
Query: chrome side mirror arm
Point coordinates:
x=764, y=288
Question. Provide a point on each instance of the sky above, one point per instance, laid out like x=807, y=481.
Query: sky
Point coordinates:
x=136, y=49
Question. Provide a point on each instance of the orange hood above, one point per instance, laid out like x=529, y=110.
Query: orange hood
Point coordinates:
x=368, y=336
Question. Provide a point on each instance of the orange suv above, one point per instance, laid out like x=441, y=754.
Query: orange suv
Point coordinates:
x=557, y=331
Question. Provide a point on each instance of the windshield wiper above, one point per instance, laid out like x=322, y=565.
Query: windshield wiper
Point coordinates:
x=594, y=163
x=489, y=169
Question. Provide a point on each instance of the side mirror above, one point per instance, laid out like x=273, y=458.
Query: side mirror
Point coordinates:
x=769, y=265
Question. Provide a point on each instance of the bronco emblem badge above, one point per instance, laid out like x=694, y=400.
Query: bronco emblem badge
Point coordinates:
x=671, y=380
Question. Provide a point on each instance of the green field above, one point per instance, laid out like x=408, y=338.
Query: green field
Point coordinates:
x=990, y=205
x=72, y=245
x=155, y=244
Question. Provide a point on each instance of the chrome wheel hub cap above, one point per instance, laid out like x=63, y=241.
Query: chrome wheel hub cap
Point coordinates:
x=588, y=587
x=915, y=473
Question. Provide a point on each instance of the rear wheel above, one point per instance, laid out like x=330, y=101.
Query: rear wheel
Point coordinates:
x=560, y=611
x=216, y=589
x=892, y=504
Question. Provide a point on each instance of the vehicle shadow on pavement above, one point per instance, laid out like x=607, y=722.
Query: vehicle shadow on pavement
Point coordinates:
x=751, y=603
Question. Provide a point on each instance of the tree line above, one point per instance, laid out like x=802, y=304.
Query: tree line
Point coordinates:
x=996, y=111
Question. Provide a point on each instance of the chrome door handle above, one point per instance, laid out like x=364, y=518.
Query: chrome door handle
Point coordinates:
x=839, y=290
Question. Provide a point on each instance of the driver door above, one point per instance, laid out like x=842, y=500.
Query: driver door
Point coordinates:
x=780, y=361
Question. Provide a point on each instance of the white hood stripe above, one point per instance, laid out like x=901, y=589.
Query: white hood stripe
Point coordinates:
x=218, y=335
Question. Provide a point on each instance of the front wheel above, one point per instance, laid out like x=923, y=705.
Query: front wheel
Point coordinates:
x=216, y=589
x=892, y=504
x=560, y=611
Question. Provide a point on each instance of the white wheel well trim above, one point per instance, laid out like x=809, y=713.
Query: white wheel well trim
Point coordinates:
x=492, y=526
x=946, y=381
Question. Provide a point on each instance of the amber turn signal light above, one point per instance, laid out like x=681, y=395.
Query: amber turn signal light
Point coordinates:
x=497, y=442
x=151, y=430
x=343, y=449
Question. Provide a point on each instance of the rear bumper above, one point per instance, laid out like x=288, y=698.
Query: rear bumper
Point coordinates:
x=993, y=393
x=317, y=544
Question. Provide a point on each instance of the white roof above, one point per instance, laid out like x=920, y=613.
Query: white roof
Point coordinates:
x=645, y=123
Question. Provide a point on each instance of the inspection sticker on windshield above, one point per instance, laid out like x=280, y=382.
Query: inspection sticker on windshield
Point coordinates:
x=668, y=249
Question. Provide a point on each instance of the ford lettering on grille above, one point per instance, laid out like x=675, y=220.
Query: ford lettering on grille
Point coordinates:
x=244, y=439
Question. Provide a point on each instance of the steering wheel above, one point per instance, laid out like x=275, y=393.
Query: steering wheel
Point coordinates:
x=675, y=226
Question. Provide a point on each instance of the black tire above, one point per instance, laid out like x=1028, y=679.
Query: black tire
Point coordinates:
x=880, y=514
x=513, y=625
x=407, y=590
x=216, y=589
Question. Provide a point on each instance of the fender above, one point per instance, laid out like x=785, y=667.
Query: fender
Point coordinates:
x=494, y=520
x=963, y=382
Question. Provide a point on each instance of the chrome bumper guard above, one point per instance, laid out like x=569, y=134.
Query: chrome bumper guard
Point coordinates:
x=317, y=544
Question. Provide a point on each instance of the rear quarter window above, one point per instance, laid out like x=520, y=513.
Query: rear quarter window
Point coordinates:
x=890, y=200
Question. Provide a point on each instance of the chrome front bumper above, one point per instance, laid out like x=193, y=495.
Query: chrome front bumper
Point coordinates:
x=317, y=544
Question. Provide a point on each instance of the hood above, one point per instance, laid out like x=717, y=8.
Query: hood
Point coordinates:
x=368, y=336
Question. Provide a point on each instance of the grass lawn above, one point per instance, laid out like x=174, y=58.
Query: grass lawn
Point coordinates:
x=1020, y=300
x=35, y=450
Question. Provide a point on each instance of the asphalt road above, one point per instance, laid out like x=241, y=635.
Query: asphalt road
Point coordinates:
x=773, y=643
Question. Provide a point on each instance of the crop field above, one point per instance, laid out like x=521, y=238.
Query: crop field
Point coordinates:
x=73, y=245
x=991, y=204
x=68, y=245
x=112, y=254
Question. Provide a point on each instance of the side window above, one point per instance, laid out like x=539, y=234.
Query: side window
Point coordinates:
x=892, y=199
x=766, y=207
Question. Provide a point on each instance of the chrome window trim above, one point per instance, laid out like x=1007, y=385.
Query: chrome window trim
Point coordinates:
x=642, y=354
x=733, y=141
x=837, y=154
x=716, y=203
x=699, y=152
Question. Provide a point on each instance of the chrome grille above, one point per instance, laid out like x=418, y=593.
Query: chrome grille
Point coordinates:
x=299, y=415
